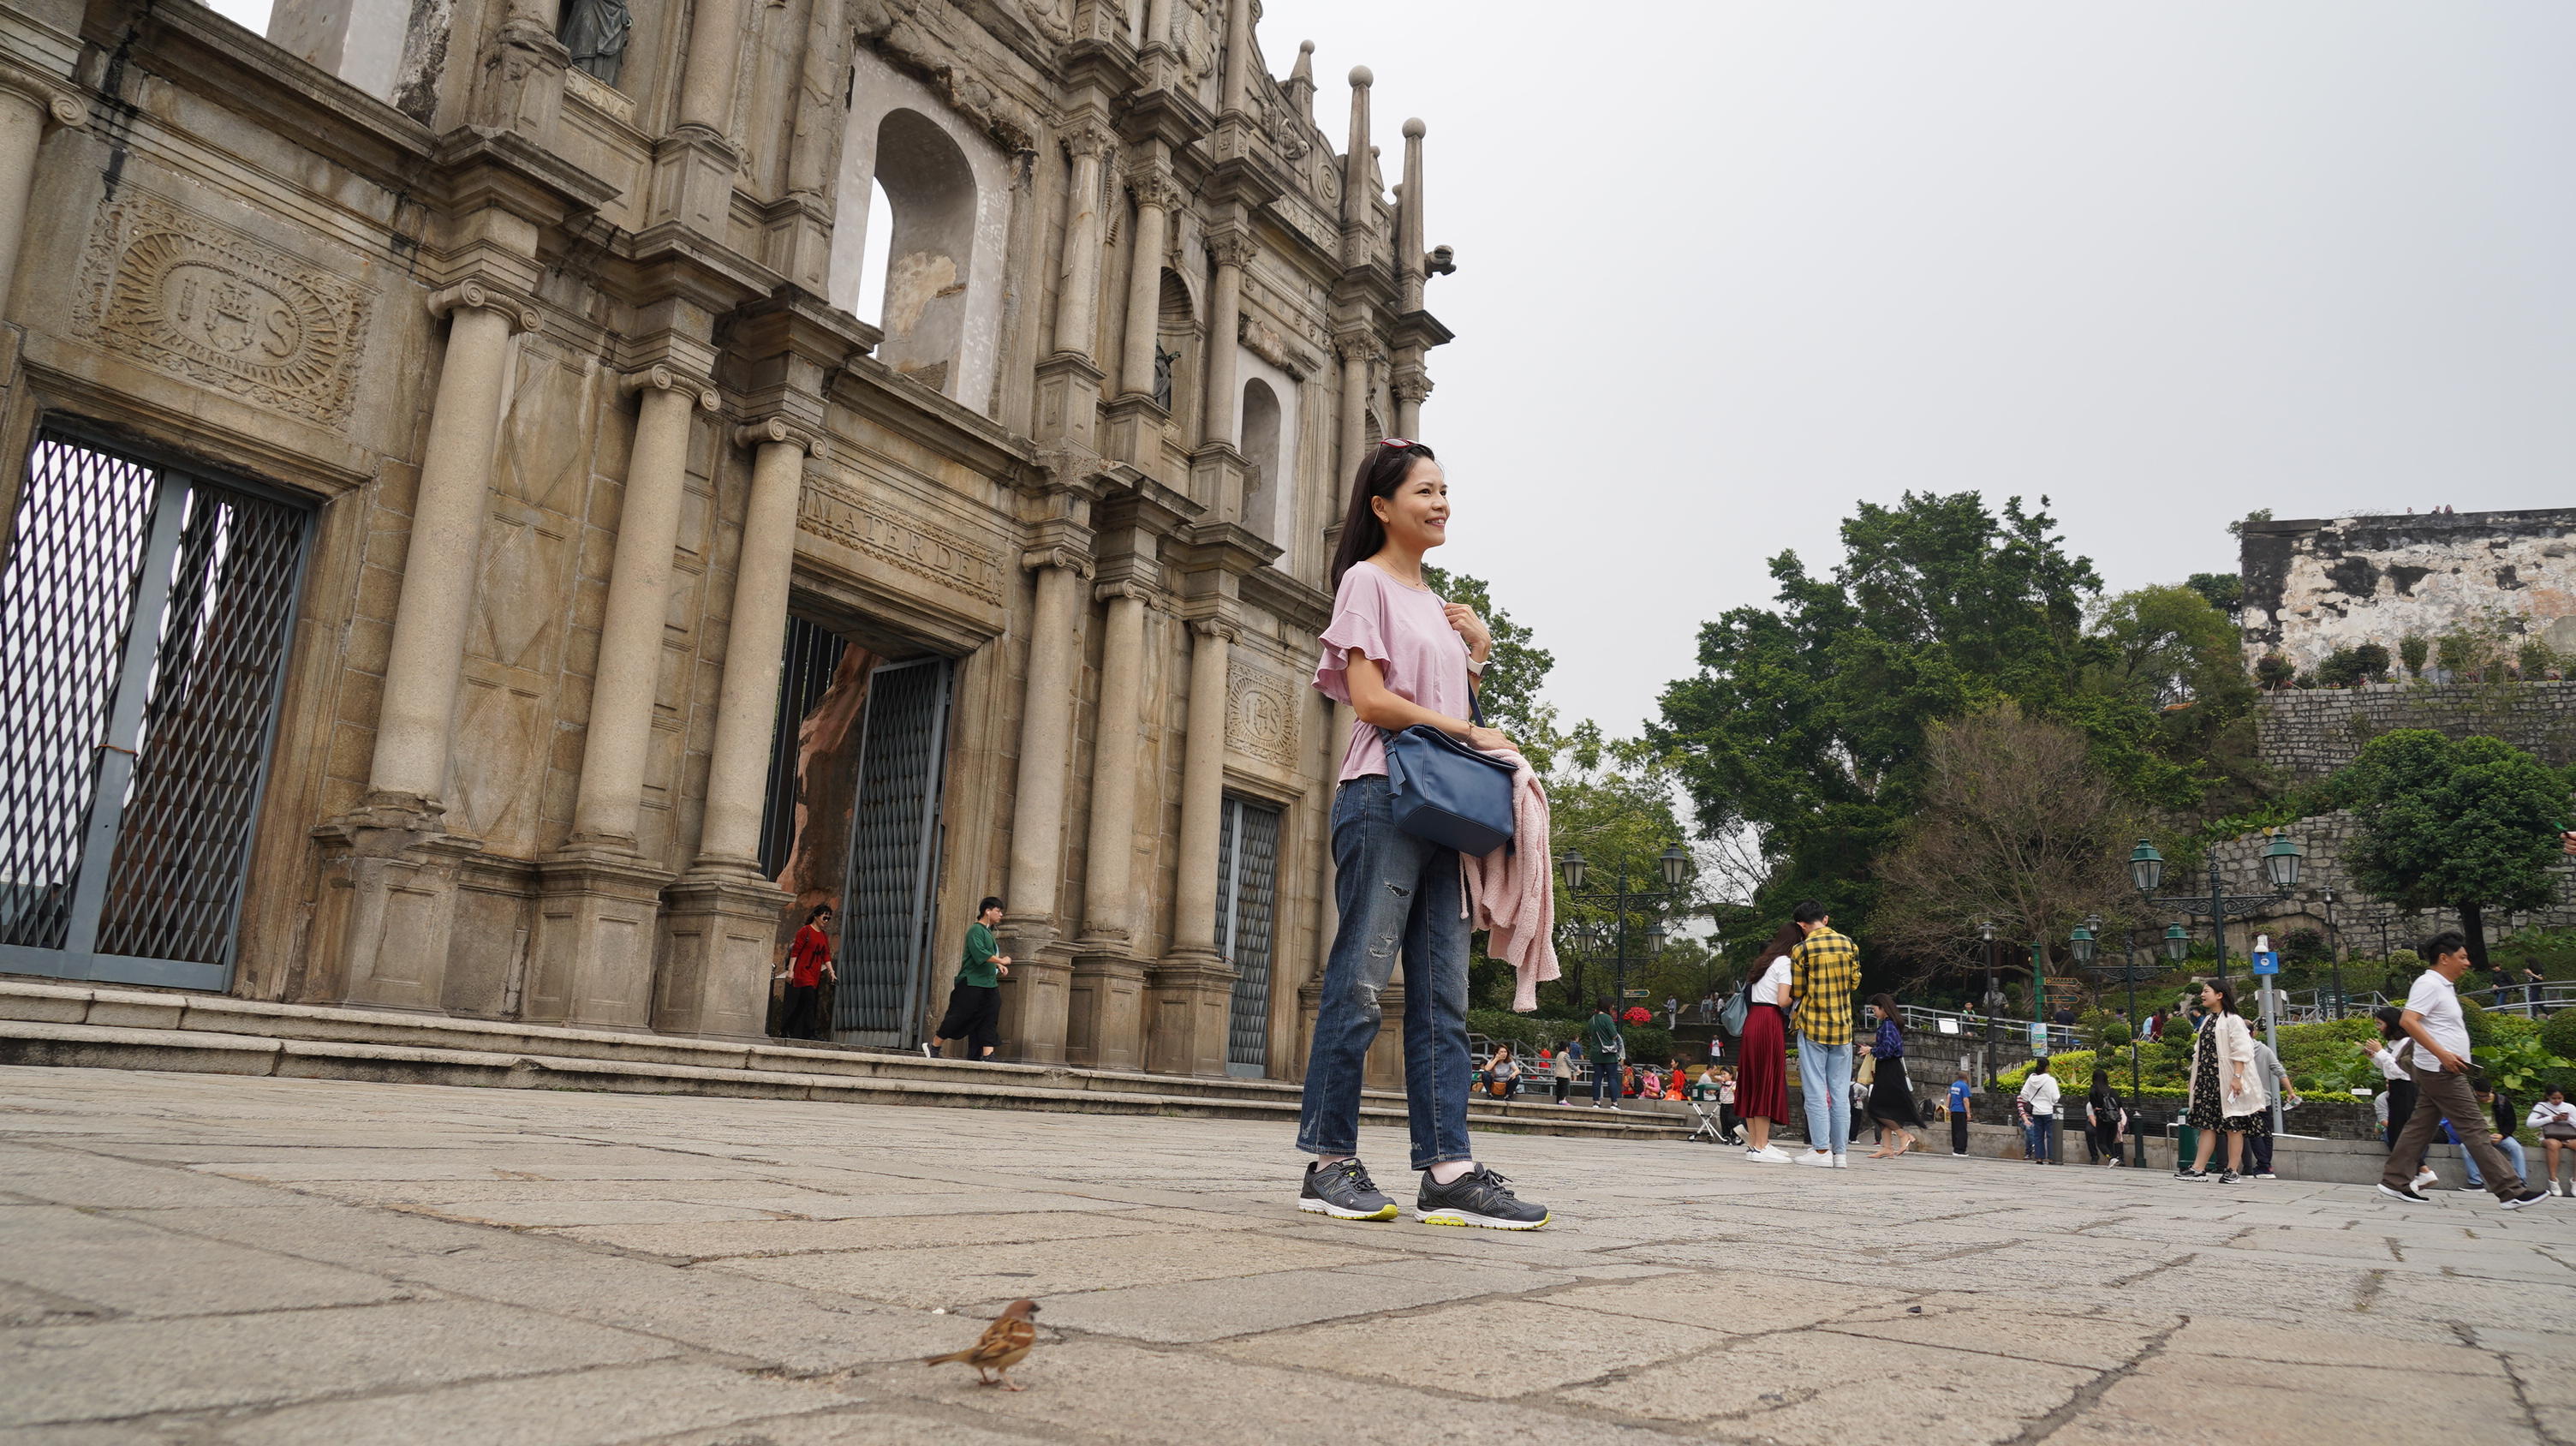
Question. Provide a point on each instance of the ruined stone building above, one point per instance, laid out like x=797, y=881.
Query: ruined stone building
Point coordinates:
x=2314, y=586
x=489, y=533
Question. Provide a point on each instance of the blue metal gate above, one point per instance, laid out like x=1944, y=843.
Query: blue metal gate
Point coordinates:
x=1247, y=902
x=886, y=968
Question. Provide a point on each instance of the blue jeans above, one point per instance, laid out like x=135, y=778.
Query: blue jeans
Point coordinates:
x=1824, y=1084
x=2512, y=1149
x=1397, y=893
x=2043, y=1138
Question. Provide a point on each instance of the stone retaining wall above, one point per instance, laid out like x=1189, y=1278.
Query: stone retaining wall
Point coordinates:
x=2313, y=732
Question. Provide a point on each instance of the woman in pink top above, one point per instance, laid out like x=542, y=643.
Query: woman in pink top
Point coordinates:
x=1401, y=658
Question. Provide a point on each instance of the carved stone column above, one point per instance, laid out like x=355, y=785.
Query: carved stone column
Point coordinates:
x=1077, y=302
x=1034, y=1002
x=27, y=107
x=1233, y=252
x=1135, y=419
x=1193, y=987
x=1337, y=737
x=1105, y=1023
x=389, y=868
x=599, y=903
x=1410, y=388
x=1357, y=350
x=722, y=917
x=694, y=165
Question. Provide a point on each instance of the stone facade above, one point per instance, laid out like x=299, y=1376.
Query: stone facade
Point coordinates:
x=2310, y=733
x=566, y=371
x=2312, y=587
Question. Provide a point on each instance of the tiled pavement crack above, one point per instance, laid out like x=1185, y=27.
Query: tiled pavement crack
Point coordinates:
x=2093, y=1390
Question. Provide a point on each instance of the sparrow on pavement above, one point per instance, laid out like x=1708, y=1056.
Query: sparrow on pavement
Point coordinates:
x=1003, y=1345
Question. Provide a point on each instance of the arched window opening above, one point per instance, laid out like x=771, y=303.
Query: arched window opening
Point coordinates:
x=1176, y=332
x=1261, y=482
x=872, y=284
x=921, y=289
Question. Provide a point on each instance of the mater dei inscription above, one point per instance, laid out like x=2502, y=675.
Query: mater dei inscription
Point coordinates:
x=829, y=510
x=192, y=296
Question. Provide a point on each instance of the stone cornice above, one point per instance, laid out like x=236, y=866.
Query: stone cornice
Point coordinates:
x=1226, y=547
x=1421, y=329
x=1305, y=608
x=479, y=165
x=912, y=411
x=221, y=64
x=1132, y=499
x=1173, y=116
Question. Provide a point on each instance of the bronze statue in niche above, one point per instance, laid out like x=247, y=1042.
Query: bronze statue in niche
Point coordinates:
x=596, y=32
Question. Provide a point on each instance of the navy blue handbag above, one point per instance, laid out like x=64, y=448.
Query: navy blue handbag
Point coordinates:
x=1442, y=790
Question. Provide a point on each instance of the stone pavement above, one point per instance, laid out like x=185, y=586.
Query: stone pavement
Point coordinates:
x=213, y=1259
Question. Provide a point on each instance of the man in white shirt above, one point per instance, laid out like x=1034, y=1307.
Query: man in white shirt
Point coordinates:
x=2440, y=1067
x=2039, y=1112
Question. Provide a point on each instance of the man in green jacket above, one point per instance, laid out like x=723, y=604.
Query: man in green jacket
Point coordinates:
x=1606, y=1047
x=975, y=1003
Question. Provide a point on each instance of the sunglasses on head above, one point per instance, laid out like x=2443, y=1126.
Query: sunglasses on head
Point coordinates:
x=1399, y=442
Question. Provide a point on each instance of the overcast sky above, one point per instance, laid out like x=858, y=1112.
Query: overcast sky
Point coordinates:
x=1727, y=267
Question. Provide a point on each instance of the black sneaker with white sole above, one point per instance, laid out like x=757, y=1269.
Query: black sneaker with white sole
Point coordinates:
x=2527, y=1197
x=2402, y=1192
x=2228, y=1177
x=1344, y=1191
x=1479, y=1197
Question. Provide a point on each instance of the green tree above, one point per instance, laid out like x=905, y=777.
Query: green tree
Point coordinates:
x=2467, y=824
x=2224, y=590
x=1806, y=720
x=1613, y=802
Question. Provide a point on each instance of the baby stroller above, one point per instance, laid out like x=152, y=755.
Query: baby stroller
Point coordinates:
x=1709, y=1127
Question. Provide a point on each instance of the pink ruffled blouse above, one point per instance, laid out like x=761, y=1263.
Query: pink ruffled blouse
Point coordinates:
x=1407, y=634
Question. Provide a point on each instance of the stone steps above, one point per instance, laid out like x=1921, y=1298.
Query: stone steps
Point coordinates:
x=142, y=1029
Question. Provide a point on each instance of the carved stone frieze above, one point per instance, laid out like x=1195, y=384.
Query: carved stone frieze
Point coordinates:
x=831, y=511
x=194, y=297
x=1261, y=716
x=1273, y=346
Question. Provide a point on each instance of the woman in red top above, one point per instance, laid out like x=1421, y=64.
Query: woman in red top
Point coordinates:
x=809, y=963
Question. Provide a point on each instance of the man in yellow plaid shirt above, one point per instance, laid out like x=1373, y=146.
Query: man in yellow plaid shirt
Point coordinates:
x=1825, y=973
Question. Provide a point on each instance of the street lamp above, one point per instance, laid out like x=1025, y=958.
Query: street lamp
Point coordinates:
x=2177, y=943
x=2146, y=867
x=2128, y=971
x=1986, y=1006
x=1674, y=865
x=2334, y=953
x=2280, y=862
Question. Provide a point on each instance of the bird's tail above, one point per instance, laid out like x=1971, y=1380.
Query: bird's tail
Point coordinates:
x=944, y=1360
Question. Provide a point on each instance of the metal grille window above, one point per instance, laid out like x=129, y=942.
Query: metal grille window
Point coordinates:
x=1247, y=900
x=894, y=856
x=813, y=655
x=143, y=629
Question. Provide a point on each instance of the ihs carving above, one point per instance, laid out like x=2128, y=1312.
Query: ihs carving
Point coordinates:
x=192, y=296
x=1261, y=716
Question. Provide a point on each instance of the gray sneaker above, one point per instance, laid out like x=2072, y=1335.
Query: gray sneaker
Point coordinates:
x=1344, y=1191
x=1479, y=1197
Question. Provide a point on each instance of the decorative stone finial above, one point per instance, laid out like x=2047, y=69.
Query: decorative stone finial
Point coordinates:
x=1361, y=77
x=1415, y=130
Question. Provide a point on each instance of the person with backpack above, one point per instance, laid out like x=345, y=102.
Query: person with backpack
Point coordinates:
x=1606, y=1046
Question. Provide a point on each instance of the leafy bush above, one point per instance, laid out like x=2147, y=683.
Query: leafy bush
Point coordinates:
x=2558, y=1036
x=2272, y=670
x=1648, y=1043
x=2341, y=669
x=2415, y=652
x=2373, y=660
x=2536, y=659
x=2480, y=1023
x=2304, y=946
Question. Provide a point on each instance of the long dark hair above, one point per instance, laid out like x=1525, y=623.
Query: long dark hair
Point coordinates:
x=1781, y=943
x=1888, y=1003
x=2392, y=1022
x=1379, y=475
x=2226, y=996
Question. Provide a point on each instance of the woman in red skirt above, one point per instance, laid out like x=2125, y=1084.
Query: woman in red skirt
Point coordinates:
x=1762, y=1077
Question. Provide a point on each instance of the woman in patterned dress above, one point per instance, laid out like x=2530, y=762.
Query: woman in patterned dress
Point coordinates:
x=2227, y=1096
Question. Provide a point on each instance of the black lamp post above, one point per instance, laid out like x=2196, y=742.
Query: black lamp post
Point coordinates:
x=1986, y=1006
x=2280, y=861
x=1675, y=867
x=2334, y=953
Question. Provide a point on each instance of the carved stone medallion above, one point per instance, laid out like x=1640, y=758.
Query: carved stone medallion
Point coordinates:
x=1261, y=716
x=194, y=297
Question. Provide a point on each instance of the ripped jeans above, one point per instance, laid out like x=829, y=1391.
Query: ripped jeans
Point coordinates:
x=1396, y=893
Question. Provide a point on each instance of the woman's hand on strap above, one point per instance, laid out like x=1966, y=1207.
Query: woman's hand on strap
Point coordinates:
x=1380, y=707
x=1471, y=630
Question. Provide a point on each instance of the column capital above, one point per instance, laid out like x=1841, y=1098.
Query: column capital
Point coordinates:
x=1410, y=387
x=62, y=105
x=1089, y=139
x=1126, y=588
x=1153, y=187
x=1038, y=558
x=662, y=378
x=1231, y=248
x=1356, y=346
x=483, y=296
x=774, y=429
x=1214, y=629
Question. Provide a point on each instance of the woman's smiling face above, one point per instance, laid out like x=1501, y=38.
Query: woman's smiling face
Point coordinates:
x=1416, y=514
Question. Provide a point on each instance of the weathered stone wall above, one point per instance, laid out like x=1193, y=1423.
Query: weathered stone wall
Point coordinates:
x=2314, y=586
x=2359, y=921
x=2311, y=733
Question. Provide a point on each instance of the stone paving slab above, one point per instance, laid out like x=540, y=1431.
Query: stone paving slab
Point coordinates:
x=209, y=1260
